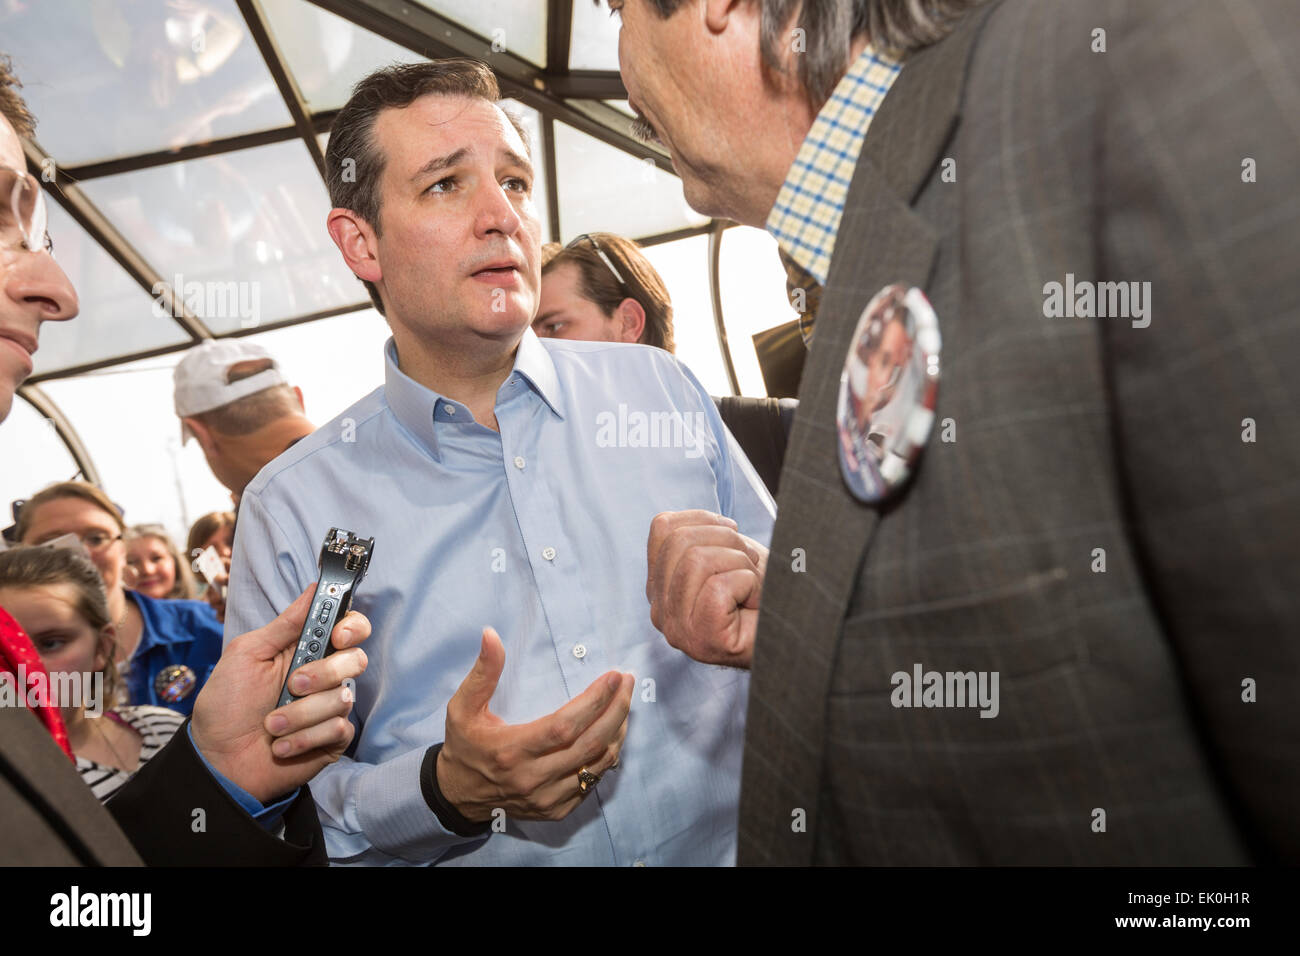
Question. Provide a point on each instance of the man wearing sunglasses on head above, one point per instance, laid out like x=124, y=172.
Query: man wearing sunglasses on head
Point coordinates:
x=228, y=761
x=601, y=288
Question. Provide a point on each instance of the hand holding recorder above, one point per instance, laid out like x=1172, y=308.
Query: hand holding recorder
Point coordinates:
x=268, y=748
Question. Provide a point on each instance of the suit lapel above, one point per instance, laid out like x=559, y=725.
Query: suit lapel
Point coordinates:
x=821, y=527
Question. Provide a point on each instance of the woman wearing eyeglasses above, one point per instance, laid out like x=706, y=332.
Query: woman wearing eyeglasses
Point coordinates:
x=172, y=646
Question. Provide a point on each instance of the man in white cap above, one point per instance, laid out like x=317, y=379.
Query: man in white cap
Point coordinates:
x=232, y=397
x=223, y=763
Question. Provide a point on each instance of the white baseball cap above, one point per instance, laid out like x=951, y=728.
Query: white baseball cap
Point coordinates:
x=202, y=380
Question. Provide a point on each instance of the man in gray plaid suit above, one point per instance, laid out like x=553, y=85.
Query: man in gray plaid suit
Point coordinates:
x=1103, y=527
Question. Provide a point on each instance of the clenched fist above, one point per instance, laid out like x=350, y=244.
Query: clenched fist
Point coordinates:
x=703, y=582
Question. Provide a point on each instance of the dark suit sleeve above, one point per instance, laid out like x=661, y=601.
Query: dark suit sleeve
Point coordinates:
x=1200, y=177
x=159, y=810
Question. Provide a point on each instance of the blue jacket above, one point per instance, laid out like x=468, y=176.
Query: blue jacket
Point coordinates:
x=182, y=633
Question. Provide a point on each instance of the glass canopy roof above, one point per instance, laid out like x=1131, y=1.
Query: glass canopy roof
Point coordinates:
x=182, y=143
x=187, y=143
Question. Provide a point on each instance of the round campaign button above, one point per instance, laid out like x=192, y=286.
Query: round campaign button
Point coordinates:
x=888, y=391
x=174, y=682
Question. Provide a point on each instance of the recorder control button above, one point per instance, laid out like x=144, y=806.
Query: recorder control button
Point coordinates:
x=313, y=647
x=319, y=632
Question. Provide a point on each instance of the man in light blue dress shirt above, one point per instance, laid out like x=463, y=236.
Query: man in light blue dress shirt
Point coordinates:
x=510, y=486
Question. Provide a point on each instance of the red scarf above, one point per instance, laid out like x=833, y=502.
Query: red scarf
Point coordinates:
x=15, y=649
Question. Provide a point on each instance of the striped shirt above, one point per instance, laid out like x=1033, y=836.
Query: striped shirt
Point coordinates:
x=807, y=211
x=155, y=725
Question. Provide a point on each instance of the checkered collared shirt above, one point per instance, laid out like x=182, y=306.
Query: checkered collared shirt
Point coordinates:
x=807, y=211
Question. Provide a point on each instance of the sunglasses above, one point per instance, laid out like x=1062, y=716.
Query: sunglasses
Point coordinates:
x=588, y=237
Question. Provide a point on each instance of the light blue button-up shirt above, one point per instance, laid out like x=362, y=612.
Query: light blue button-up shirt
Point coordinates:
x=539, y=531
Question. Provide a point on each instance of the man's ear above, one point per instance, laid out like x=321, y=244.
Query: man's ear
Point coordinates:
x=356, y=240
x=301, y=404
x=206, y=439
x=716, y=13
x=630, y=317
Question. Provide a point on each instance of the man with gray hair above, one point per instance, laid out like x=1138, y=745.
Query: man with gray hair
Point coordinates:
x=231, y=396
x=1076, y=502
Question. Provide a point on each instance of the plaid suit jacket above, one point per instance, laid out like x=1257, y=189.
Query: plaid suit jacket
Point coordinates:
x=1149, y=711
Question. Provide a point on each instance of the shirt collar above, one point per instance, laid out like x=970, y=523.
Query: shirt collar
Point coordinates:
x=808, y=209
x=534, y=363
x=420, y=409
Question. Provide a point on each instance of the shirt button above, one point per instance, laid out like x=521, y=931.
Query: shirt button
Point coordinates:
x=579, y=651
x=451, y=409
x=639, y=863
x=548, y=554
x=519, y=462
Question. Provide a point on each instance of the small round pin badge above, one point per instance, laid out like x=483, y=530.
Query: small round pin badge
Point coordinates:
x=888, y=391
x=174, y=682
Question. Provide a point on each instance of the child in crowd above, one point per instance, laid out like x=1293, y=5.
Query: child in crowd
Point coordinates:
x=172, y=646
x=57, y=596
x=217, y=531
x=155, y=567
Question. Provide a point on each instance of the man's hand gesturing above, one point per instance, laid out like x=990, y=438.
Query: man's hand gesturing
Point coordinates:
x=704, y=580
x=529, y=770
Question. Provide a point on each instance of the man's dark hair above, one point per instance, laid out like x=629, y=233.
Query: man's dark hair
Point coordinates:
x=830, y=27
x=12, y=106
x=354, y=165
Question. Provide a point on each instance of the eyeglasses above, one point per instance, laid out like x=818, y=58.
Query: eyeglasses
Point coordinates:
x=95, y=541
x=23, y=216
x=600, y=252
